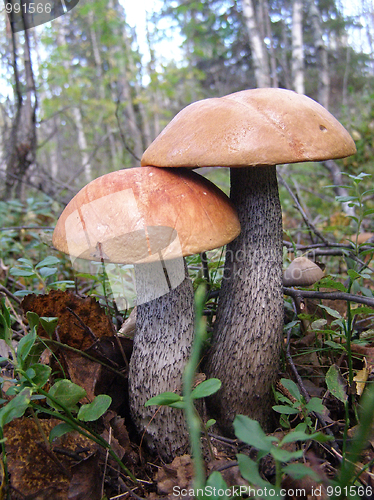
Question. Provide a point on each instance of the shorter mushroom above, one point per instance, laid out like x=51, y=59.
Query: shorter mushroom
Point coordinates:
x=152, y=218
x=302, y=272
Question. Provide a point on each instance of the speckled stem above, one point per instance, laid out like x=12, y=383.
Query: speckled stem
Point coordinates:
x=247, y=334
x=162, y=345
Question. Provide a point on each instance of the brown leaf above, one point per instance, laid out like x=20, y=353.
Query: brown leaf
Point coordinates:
x=34, y=468
x=86, y=481
x=178, y=473
x=83, y=372
x=71, y=331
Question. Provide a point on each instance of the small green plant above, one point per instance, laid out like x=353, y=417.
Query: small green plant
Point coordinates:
x=37, y=276
x=299, y=406
x=249, y=431
x=28, y=389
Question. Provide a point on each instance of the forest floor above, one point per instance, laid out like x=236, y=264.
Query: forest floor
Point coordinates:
x=75, y=467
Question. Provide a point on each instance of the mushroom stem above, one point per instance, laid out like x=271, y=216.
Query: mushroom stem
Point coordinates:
x=247, y=333
x=162, y=345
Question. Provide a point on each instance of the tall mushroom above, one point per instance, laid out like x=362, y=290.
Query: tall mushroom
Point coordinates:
x=152, y=218
x=255, y=129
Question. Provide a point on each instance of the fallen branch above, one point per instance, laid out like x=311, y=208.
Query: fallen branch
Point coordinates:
x=311, y=294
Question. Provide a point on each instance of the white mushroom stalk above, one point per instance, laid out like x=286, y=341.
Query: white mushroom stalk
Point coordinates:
x=152, y=218
x=251, y=131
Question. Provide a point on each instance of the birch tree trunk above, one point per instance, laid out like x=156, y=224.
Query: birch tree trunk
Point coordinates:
x=338, y=182
x=135, y=145
x=297, y=47
x=269, y=35
x=322, y=56
x=259, y=53
x=77, y=114
x=22, y=140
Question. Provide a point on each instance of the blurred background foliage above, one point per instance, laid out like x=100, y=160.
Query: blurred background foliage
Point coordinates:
x=87, y=93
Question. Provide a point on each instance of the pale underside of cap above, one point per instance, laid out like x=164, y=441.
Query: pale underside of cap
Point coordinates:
x=250, y=128
x=302, y=272
x=144, y=214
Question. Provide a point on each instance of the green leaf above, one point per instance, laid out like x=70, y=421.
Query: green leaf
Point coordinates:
x=164, y=399
x=249, y=431
x=49, y=324
x=210, y=423
x=318, y=324
x=362, y=310
x=336, y=384
x=315, y=404
x=5, y=313
x=249, y=471
x=5, y=323
x=33, y=319
x=59, y=430
x=353, y=274
x=66, y=393
x=215, y=480
x=327, y=282
x=206, y=388
x=335, y=345
x=299, y=471
x=291, y=388
x=345, y=199
x=94, y=410
x=15, y=408
x=181, y=405
x=47, y=271
x=25, y=273
x=331, y=312
x=25, y=262
x=41, y=374
x=286, y=410
x=48, y=261
x=285, y=455
x=24, y=347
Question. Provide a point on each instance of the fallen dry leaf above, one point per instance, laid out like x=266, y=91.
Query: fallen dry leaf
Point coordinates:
x=66, y=306
x=361, y=378
x=39, y=471
x=179, y=474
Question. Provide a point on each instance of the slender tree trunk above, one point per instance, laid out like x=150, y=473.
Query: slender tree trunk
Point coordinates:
x=284, y=60
x=100, y=79
x=21, y=145
x=77, y=114
x=129, y=118
x=269, y=35
x=322, y=56
x=247, y=334
x=82, y=143
x=337, y=179
x=259, y=54
x=297, y=47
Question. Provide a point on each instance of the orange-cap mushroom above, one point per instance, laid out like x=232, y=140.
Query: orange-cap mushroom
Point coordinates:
x=252, y=130
x=152, y=217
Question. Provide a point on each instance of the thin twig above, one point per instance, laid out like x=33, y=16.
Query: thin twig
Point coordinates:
x=9, y=294
x=305, y=393
x=124, y=486
x=311, y=294
x=310, y=224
